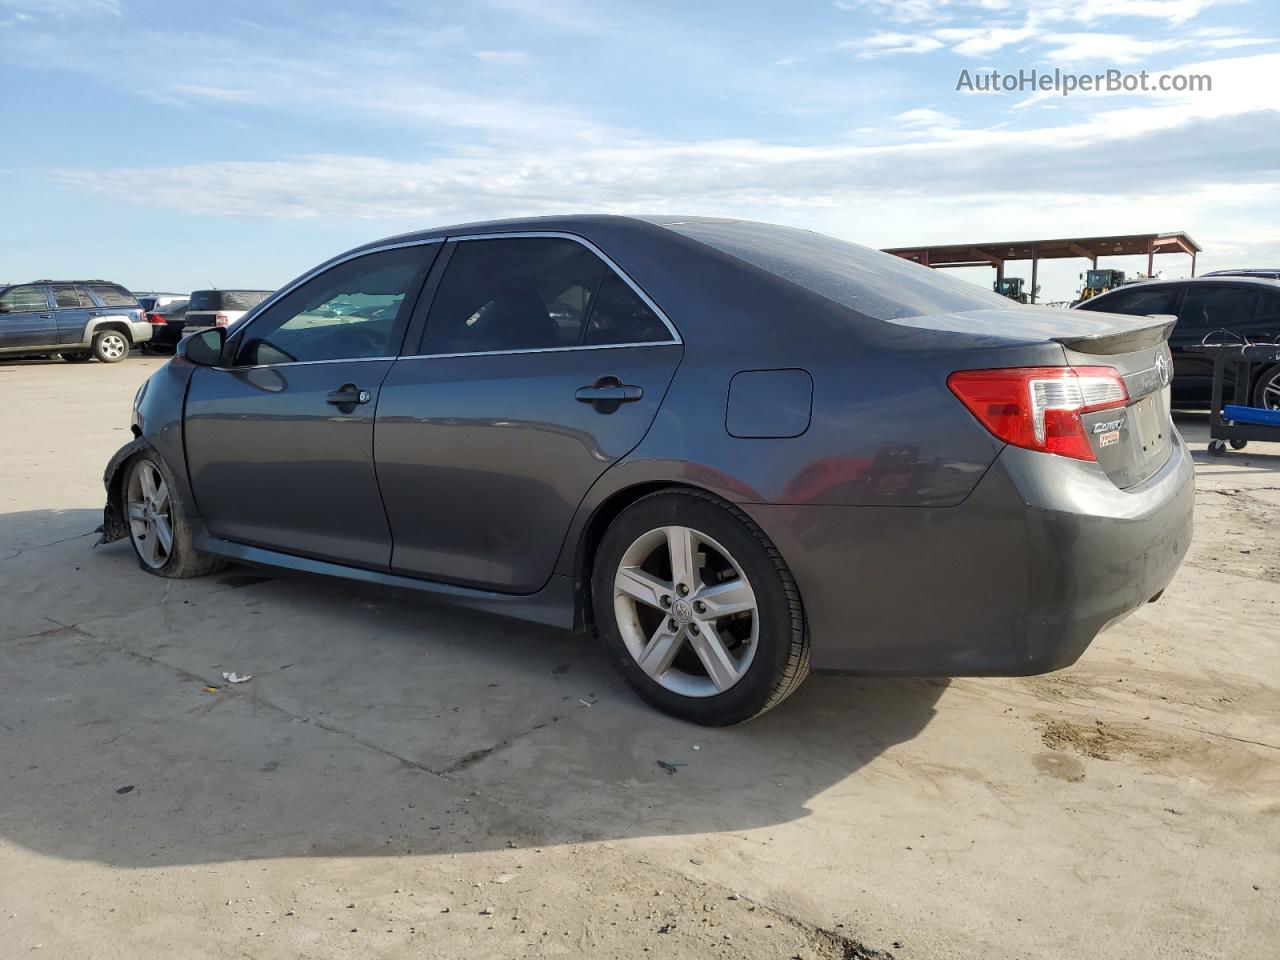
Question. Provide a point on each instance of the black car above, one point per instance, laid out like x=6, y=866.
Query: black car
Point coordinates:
x=1217, y=308
x=168, y=322
x=739, y=450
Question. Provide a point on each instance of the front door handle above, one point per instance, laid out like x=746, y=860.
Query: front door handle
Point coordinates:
x=348, y=395
x=610, y=390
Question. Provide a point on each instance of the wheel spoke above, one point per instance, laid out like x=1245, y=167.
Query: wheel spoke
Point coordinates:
x=152, y=544
x=164, y=533
x=642, y=587
x=725, y=598
x=715, y=657
x=661, y=649
x=162, y=497
x=680, y=544
x=147, y=481
x=137, y=511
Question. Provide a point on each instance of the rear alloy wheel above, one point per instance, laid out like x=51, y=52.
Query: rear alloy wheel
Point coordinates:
x=158, y=530
x=698, y=609
x=1266, y=392
x=110, y=346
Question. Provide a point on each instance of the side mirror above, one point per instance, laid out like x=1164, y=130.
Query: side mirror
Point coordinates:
x=204, y=348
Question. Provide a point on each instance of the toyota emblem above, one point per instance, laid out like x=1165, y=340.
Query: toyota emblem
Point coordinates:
x=1164, y=369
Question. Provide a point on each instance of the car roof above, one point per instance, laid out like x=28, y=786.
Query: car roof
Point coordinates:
x=1265, y=282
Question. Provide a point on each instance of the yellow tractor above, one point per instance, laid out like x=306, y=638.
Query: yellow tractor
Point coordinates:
x=1012, y=287
x=1099, y=281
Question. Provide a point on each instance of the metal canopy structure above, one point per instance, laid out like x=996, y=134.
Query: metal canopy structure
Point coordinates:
x=1090, y=248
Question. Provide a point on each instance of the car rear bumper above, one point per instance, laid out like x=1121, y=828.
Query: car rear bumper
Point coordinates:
x=140, y=330
x=1018, y=579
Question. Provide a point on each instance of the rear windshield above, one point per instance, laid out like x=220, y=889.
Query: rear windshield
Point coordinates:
x=112, y=295
x=876, y=284
x=227, y=299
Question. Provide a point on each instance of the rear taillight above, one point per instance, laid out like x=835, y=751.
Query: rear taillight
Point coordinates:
x=1039, y=408
x=221, y=320
x=157, y=319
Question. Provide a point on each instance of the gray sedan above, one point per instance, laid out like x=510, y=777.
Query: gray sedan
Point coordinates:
x=736, y=451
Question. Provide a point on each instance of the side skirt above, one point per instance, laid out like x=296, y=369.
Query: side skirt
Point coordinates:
x=553, y=605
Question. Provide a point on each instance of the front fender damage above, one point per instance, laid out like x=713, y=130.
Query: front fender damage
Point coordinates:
x=115, y=526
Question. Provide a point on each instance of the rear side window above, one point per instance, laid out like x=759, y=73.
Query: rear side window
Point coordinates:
x=29, y=296
x=877, y=285
x=1211, y=306
x=534, y=293
x=69, y=295
x=620, y=316
x=112, y=295
x=1137, y=303
x=525, y=293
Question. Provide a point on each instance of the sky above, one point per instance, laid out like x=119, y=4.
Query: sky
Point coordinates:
x=169, y=146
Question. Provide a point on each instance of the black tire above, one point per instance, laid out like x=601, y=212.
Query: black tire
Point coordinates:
x=77, y=357
x=781, y=658
x=1239, y=444
x=183, y=561
x=1217, y=448
x=110, y=346
x=1266, y=389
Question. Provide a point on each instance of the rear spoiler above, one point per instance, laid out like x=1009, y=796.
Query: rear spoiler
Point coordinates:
x=1124, y=341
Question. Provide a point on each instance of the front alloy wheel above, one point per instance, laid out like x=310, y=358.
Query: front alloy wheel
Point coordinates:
x=698, y=609
x=150, y=513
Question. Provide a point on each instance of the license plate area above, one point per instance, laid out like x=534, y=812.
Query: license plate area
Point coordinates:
x=1150, y=436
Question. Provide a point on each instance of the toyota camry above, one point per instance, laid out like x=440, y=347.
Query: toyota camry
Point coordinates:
x=734, y=451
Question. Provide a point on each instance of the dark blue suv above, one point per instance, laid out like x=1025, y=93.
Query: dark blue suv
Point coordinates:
x=78, y=319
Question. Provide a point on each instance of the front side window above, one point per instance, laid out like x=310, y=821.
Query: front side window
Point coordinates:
x=533, y=293
x=1212, y=306
x=353, y=311
x=25, y=298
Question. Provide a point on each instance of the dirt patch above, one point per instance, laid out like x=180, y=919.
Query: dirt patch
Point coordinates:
x=1060, y=766
x=1235, y=533
x=1105, y=741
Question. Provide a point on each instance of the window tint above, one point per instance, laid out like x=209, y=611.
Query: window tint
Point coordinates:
x=69, y=295
x=112, y=295
x=525, y=293
x=350, y=311
x=29, y=296
x=877, y=285
x=227, y=299
x=1212, y=306
x=1138, y=303
x=620, y=316
x=1268, y=304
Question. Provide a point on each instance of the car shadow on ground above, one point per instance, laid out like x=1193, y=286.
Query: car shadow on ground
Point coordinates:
x=376, y=722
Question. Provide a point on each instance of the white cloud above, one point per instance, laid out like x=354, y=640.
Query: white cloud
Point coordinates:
x=502, y=56
x=887, y=44
x=1071, y=49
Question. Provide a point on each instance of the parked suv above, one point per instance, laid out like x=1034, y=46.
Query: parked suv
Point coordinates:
x=220, y=308
x=77, y=319
x=1222, y=308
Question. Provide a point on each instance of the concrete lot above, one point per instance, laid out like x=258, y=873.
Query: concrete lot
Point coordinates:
x=403, y=780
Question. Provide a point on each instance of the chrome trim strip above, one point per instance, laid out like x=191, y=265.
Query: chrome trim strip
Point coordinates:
x=666, y=321
x=503, y=353
x=305, y=363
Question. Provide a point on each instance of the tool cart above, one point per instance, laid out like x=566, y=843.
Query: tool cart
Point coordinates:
x=1235, y=422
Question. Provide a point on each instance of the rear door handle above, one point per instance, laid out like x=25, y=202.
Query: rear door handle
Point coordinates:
x=349, y=395
x=610, y=390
